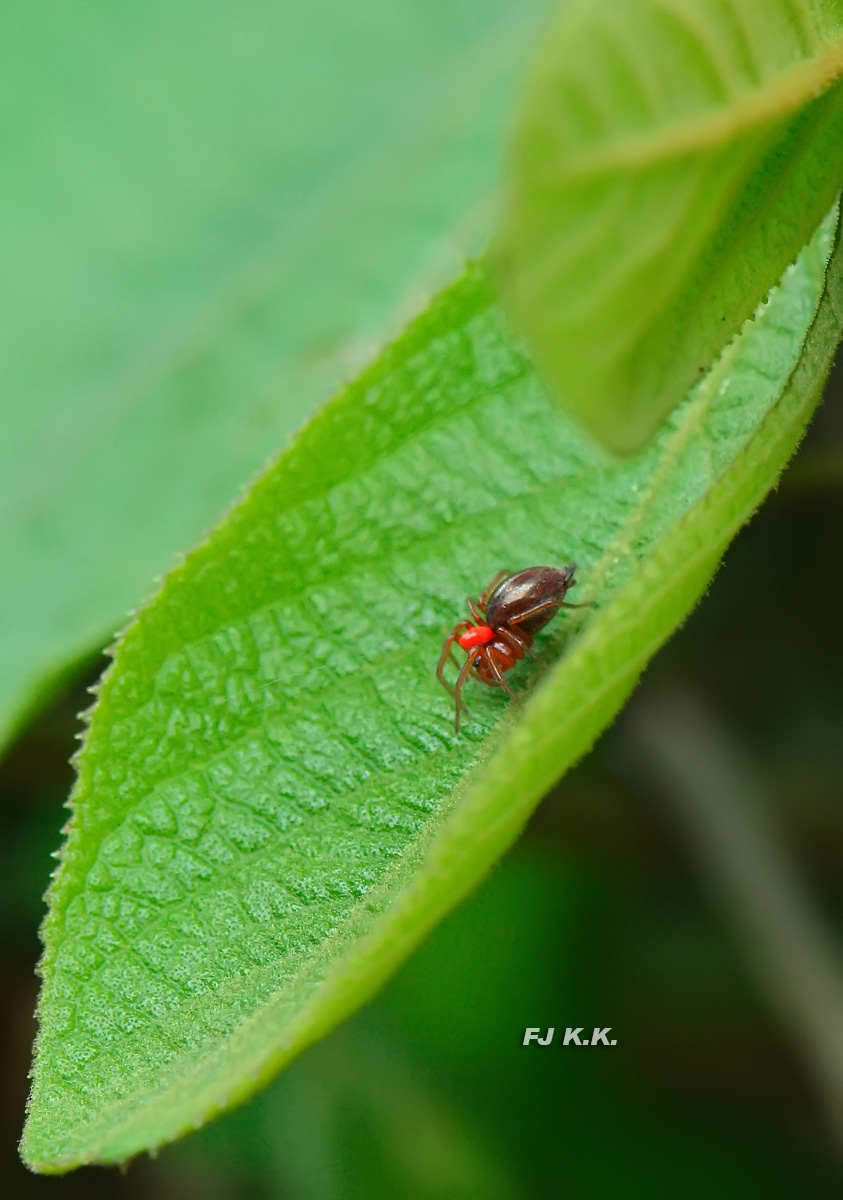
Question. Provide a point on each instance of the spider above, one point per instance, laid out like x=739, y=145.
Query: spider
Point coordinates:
x=505, y=620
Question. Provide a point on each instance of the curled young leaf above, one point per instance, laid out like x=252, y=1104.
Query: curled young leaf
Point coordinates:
x=672, y=157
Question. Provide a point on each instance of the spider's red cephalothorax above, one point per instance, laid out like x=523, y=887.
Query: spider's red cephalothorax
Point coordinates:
x=505, y=619
x=476, y=635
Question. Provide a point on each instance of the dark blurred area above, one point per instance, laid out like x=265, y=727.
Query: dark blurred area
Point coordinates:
x=605, y=914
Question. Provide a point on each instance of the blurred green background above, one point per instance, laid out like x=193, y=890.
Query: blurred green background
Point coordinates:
x=210, y=216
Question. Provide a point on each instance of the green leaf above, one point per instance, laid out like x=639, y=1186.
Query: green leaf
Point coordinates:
x=672, y=157
x=210, y=213
x=272, y=805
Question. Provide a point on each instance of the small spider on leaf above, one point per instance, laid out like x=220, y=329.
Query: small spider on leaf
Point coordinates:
x=504, y=622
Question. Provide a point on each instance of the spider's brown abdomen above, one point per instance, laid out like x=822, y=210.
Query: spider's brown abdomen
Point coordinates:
x=542, y=588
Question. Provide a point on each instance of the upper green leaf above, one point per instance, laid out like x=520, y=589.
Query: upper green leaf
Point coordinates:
x=672, y=157
x=210, y=212
x=272, y=805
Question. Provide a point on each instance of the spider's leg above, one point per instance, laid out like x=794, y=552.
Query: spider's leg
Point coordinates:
x=518, y=642
x=475, y=609
x=584, y=604
x=484, y=599
x=463, y=675
x=498, y=673
x=538, y=661
x=532, y=612
x=447, y=652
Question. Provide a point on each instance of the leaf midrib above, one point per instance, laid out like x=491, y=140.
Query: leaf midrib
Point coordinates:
x=786, y=93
